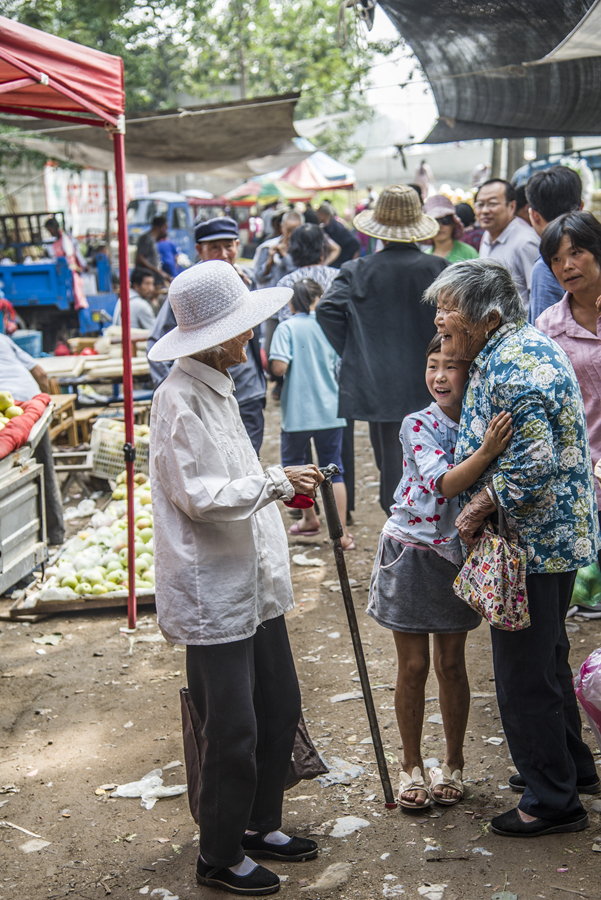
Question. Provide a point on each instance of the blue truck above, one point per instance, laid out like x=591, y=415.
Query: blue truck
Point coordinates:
x=182, y=212
x=41, y=289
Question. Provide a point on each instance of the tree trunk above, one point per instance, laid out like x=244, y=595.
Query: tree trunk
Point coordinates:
x=497, y=153
x=242, y=16
x=515, y=156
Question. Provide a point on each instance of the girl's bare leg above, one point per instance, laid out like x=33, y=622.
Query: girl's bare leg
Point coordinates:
x=454, y=696
x=413, y=652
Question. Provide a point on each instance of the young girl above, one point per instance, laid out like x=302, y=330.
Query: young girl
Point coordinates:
x=418, y=559
x=301, y=352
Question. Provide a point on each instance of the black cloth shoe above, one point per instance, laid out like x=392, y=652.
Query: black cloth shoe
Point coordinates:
x=510, y=825
x=296, y=850
x=590, y=785
x=259, y=881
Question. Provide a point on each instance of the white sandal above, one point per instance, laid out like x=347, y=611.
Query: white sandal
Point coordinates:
x=442, y=777
x=413, y=782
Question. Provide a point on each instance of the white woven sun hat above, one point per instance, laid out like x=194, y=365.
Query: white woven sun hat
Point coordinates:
x=211, y=304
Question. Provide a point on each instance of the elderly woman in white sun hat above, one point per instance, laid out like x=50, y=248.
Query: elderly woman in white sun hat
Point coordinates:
x=222, y=576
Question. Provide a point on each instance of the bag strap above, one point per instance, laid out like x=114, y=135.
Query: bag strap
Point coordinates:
x=502, y=523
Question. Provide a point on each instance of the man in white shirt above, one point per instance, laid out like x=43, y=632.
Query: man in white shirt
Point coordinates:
x=506, y=238
x=141, y=312
x=24, y=378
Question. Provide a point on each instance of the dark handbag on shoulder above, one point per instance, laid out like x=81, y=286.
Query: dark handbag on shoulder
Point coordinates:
x=493, y=578
x=305, y=763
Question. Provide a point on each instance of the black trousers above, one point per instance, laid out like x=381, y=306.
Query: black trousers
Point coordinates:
x=247, y=696
x=384, y=437
x=348, y=463
x=55, y=525
x=251, y=414
x=538, y=706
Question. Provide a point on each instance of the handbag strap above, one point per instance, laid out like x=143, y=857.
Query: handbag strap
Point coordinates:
x=502, y=524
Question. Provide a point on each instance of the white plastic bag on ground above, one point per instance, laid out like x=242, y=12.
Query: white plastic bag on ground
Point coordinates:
x=150, y=788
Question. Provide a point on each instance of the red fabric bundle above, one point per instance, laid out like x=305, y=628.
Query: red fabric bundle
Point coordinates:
x=16, y=432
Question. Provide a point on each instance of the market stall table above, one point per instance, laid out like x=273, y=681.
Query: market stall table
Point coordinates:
x=23, y=542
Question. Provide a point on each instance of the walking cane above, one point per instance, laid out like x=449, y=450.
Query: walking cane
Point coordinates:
x=336, y=532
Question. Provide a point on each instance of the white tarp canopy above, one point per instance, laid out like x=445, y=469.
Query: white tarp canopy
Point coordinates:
x=582, y=42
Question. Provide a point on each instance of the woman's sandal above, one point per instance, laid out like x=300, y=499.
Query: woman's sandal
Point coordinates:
x=413, y=782
x=442, y=777
x=295, y=531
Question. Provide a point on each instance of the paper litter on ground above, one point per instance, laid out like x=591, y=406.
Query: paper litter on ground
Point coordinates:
x=301, y=559
x=349, y=695
x=332, y=877
x=346, y=825
x=341, y=772
x=33, y=845
x=393, y=890
x=431, y=891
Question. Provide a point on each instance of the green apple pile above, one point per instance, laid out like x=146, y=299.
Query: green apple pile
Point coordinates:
x=141, y=490
x=95, y=561
x=8, y=410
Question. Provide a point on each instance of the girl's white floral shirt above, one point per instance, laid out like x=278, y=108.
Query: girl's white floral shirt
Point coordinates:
x=544, y=478
x=421, y=515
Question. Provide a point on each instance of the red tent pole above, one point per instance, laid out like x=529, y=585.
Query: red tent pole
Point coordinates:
x=128, y=403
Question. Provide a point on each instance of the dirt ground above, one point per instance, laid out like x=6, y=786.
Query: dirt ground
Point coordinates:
x=98, y=709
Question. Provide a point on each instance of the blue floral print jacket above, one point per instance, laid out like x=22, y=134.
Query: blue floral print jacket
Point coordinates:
x=544, y=477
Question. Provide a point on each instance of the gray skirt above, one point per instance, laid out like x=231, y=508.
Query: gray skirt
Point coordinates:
x=412, y=590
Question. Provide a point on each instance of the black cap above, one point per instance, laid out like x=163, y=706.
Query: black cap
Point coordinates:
x=223, y=228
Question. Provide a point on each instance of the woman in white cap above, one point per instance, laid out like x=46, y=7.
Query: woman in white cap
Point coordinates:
x=222, y=576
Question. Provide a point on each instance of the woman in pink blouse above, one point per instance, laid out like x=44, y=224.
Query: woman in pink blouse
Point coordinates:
x=571, y=247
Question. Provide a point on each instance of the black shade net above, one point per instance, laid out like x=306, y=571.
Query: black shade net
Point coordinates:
x=473, y=54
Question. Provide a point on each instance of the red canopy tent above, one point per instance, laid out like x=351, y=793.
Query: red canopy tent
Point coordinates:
x=50, y=78
x=319, y=172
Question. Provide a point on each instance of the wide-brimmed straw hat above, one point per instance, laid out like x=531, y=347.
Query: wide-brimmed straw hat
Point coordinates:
x=397, y=216
x=211, y=304
x=440, y=206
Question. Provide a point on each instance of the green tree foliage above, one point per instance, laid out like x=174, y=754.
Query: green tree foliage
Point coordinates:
x=211, y=51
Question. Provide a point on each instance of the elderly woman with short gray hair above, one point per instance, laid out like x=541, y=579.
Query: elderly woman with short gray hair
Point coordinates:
x=544, y=482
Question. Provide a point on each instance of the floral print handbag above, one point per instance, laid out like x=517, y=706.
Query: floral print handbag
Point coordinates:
x=493, y=579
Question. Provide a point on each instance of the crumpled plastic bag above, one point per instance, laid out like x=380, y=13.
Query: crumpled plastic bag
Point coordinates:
x=83, y=509
x=587, y=685
x=150, y=788
x=58, y=593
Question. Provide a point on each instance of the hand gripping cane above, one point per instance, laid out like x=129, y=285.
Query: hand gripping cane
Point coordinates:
x=336, y=532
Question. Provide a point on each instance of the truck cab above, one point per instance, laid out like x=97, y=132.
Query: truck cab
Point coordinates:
x=40, y=286
x=183, y=212
x=176, y=209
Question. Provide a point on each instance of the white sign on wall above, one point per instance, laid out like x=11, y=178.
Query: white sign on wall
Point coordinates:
x=81, y=196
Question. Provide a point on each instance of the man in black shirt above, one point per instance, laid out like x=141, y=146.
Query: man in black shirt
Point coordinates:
x=373, y=316
x=349, y=245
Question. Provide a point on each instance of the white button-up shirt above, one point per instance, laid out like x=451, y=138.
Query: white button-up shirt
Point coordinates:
x=517, y=247
x=220, y=546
